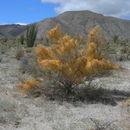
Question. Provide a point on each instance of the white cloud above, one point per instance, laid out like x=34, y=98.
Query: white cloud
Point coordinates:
x=118, y=8
x=21, y=23
x=15, y=23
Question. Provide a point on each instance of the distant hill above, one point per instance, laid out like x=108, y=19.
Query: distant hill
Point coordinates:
x=80, y=22
x=74, y=22
x=11, y=31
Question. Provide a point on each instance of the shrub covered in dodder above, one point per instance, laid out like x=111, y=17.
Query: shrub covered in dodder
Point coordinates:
x=71, y=63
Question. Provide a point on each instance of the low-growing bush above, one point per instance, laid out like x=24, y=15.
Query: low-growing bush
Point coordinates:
x=22, y=39
x=24, y=64
x=4, y=48
x=19, y=54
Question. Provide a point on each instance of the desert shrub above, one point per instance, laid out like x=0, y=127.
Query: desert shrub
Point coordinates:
x=0, y=59
x=28, y=64
x=4, y=48
x=22, y=39
x=73, y=64
x=31, y=35
x=66, y=64
x=33, y=69
x=24, y=62
x=5, y=39
x=19, y=54
x=115, y=38
x=123, y=53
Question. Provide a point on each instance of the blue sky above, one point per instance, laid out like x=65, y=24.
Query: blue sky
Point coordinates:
x=25, y=11
x=30, y=11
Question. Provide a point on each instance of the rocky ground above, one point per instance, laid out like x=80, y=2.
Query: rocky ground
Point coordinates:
x=19, y=112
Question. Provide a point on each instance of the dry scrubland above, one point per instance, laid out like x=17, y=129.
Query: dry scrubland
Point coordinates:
x=102, y=104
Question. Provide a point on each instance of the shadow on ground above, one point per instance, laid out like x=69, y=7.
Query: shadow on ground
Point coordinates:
x=90, y=95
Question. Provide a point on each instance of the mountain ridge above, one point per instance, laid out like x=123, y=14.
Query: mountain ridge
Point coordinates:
x=76, y=22
x=11, y=30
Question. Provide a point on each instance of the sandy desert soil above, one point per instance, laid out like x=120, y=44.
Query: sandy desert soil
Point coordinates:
x=19, y=112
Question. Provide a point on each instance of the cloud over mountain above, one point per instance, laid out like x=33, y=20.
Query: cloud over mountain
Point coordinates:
x=21, y=23
x=118, y=8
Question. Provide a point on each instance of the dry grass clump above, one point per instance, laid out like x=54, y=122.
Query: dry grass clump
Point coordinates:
x=19, y=54
x=124, y=123
x=126, y=113
x=7, y=112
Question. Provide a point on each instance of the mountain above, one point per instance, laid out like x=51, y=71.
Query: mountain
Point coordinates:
x=74, y=22
x=80, y=22
x=13, y=30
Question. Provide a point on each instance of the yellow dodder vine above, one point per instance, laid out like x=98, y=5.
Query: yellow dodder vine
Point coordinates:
x=71, y=62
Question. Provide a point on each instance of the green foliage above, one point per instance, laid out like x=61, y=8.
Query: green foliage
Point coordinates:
x=31, y=35
x=5, y=39
x=115, y=38
x=22, y=39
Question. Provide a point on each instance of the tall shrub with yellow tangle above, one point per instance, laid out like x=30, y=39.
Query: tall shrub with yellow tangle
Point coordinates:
x=72, y=63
